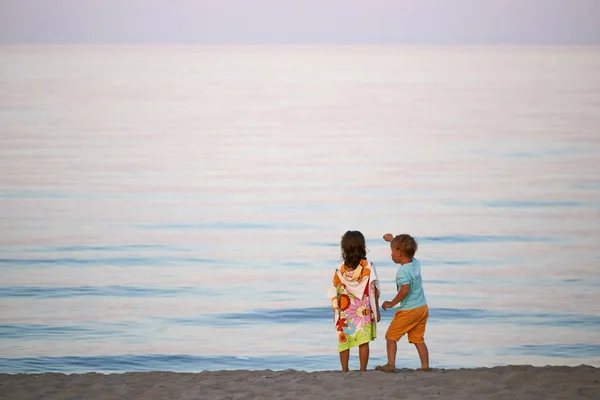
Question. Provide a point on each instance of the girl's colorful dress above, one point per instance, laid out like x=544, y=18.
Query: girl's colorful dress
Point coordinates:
x=353, y=301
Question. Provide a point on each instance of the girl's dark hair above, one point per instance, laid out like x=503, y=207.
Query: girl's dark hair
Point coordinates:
x=354, y=248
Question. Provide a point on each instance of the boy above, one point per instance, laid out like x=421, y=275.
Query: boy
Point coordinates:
x=412, y=313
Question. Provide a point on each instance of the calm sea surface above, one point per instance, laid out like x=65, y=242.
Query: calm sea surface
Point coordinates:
x=180, y=208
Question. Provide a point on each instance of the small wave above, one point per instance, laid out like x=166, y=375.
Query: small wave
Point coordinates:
x=568, y=350
x=159, y=362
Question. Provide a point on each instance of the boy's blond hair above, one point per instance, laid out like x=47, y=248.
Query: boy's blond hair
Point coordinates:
x=406, y=244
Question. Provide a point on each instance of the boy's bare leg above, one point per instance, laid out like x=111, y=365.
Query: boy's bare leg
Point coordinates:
x=391, y=347
x=363, y=355
x=344, y=357
x=423, y=355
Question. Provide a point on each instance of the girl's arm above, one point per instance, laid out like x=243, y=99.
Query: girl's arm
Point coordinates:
x=333, y=296
x=376, y=292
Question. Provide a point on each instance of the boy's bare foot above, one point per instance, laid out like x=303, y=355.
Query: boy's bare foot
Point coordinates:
x=425, y=369
x=386, y=368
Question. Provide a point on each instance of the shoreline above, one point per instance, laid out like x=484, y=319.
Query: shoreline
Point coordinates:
x=511, y=381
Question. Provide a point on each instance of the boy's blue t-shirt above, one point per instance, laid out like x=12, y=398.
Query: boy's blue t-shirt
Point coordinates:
x=411, y=274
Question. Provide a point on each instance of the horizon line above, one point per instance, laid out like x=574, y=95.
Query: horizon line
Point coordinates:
x=300, y=44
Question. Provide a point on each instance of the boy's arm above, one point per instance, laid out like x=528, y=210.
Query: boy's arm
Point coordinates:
x=388, y=237
x=404, y=289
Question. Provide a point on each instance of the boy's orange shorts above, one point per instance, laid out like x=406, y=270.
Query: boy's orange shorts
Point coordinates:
x=409, y=321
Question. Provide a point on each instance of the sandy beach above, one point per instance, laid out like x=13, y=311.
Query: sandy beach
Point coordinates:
x=508, y=382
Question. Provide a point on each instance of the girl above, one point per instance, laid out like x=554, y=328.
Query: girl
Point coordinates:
x=355, y=300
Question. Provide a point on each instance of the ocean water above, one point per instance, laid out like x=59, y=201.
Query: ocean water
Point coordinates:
x=180, y=208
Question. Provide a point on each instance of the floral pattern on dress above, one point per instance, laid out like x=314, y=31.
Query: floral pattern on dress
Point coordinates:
x=355, y=325
x=359, y=311
x=344, y=302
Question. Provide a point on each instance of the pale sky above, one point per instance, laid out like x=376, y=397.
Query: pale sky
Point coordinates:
x=301, y=21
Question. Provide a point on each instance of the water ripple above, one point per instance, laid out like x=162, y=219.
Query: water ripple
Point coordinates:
x=576, y=350
x=228, y=226
x=39, y=331
x=532, y=204
x=459, y=239
x=313, y=314
x=101, y=261
x=102, y=291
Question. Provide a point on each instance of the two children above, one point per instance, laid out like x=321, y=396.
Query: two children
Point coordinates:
x=355, y=301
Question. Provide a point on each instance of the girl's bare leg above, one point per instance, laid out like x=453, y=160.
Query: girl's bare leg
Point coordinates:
x=344, y=357
x=363, y=355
